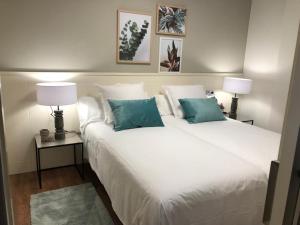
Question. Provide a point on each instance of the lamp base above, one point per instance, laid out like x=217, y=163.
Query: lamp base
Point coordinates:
x=59, y=125
x=233, y=109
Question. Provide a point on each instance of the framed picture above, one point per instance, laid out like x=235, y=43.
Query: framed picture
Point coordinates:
x=134, y=37
x=170, y=55
x=171, y=20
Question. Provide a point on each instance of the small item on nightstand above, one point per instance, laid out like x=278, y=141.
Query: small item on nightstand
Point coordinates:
x=45, y=135
x=222, y=107
x=210, y=94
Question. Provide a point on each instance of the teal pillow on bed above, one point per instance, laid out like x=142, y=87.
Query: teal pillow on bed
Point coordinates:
x=129, y=114
x=198, y=110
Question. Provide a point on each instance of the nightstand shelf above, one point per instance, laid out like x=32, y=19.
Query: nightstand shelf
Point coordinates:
x=72, y=139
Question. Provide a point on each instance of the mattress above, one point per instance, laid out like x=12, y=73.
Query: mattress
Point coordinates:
x=166, y=176
x=251, y=143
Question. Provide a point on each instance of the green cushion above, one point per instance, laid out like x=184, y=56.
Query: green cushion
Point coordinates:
x=129, y=114
x=198, y=110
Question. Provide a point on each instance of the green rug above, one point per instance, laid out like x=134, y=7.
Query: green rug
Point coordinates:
x=76, y=205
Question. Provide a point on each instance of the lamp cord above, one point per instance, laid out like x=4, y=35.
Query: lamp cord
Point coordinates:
x=52, y=112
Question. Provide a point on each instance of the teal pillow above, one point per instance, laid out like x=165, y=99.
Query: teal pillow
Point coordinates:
x=198, y=110
x=129, y=114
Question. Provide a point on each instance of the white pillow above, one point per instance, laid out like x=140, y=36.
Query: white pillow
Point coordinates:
x=89, y=110
x=120, y=92
x=163, y=105
x=175, y=92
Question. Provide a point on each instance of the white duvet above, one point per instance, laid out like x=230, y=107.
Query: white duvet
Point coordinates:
x=166, y=176
x=251, y=143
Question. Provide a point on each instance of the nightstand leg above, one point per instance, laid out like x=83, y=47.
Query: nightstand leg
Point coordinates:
x=36, y=158
x=82, y=161
x=38, y=165
x=40, y=171
x=75, y=161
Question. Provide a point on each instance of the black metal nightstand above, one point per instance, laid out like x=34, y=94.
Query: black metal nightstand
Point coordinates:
x=242, y=119
x=247, y=121
x=71, y=139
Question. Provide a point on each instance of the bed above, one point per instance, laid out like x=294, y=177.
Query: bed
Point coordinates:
x=181, y=174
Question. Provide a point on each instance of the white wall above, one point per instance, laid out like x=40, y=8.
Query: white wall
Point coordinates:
x=80, y=35
x=268, y=60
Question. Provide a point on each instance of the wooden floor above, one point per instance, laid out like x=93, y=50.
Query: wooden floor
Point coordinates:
x=24, y=185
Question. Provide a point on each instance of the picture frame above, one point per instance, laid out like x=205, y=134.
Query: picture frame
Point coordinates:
x=170, y=55
x=133, y=37
x=171, y=20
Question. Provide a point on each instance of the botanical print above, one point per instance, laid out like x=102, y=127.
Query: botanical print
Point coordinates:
x=171, y=20
x=134, y=32
x=170, y=55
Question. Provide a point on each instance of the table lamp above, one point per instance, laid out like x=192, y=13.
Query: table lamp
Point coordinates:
x=236, y=86
x=57, y=94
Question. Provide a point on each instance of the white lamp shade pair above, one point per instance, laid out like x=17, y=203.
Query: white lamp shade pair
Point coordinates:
x=237, y=85
x=56, y=94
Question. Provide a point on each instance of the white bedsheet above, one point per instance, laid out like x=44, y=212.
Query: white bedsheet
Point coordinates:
x=251, y=143
x=164, y=176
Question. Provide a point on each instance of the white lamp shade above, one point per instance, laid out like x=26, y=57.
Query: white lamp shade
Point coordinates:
x=56, y=94
x=237, y=85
